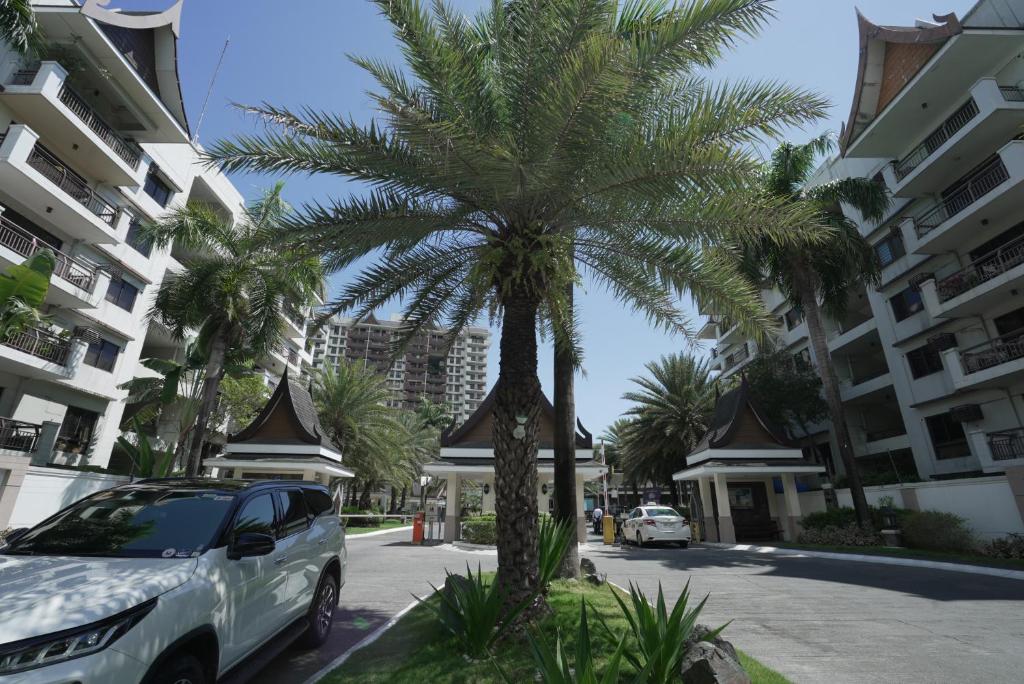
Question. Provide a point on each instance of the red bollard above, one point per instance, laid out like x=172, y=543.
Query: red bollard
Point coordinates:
x=417, y=528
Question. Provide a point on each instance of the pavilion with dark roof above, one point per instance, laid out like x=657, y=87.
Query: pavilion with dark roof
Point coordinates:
x=285, y=441
x=735, y=465
x=467, y=453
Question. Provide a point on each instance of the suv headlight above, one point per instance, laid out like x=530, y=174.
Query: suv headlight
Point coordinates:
x=68, y=644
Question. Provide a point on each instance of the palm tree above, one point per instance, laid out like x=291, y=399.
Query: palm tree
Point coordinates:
x=234, y=289
x=821, y=276
x=671, y=412
x=18, y=24
x=351, y=401
x=537, y=144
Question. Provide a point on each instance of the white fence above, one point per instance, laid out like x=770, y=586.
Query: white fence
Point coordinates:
x=987, y=503
x=47, y=490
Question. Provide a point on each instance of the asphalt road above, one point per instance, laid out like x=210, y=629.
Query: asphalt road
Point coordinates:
x=814, y=620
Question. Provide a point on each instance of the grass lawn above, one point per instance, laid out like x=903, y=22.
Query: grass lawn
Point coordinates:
x=919, y=554
x=417, y=651
x=385, y=525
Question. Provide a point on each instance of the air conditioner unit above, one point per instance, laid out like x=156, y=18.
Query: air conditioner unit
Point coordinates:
x=87, y=335
x=966, y=413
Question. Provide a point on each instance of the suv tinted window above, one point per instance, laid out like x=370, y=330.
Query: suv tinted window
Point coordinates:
x=293, y=505
x=318, y=502
x=257, y=515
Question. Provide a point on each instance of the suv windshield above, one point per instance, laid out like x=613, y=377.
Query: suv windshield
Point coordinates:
x=654, y=512
x=131, y=523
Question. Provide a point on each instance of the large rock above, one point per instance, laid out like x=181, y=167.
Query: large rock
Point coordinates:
x=700, y=633
x=706, y=663
x=448, y=590
x=587, y=567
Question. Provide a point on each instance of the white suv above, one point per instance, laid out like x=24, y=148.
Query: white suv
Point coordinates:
x=169, y=582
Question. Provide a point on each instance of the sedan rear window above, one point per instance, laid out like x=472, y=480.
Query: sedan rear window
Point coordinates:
x=663, y=511
x=131, y=523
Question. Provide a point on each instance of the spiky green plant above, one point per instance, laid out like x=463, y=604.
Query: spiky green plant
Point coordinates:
x=541, y=142
x=553, y=542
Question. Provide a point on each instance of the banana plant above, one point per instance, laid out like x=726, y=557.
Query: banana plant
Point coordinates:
x=146, y=461
x=23, y=289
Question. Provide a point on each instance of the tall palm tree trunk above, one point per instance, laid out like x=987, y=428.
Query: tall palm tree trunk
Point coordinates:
x=214, y=373
x=565, y=447
x=830, y=386
x=516, y=420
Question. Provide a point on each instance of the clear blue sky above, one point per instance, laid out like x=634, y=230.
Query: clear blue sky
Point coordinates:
x=293, y=53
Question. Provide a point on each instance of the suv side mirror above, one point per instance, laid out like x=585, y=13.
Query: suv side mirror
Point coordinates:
x=249, y=544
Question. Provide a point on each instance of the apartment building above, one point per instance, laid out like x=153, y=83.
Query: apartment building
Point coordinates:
x=457, y=379
x=93, y=142
x=931, y=362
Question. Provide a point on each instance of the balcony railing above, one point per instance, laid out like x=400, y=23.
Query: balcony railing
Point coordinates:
x=42, y=344
x=19, y=240
x=983, y=182
x=936, y=139
x=18, y=436
x=885, y=433
x=24, y=77
x=1012, y=93
x=125, y=149
x=992, y=265
x=43, y=161
x=1006, y=445
x=988, y=354
x=290, y=354
x=737, y=357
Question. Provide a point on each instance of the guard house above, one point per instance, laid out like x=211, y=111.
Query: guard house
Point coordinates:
x=467, y=453
x=735, y=465
x=285, y=442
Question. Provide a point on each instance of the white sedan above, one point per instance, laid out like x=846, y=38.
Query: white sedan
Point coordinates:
x=656, y=524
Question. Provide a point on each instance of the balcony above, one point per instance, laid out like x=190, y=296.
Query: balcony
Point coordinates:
x=979, y=286
x=733, y=360
x=16, y=435
x=992, y=115
x=1006, y=445
x=40, y=180
x=37, y=353
x=71, y=126
x=988, y=198
x=991, y=364
x=24, y=244
x=867, y=382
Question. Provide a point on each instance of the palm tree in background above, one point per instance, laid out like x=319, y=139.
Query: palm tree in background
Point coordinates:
x=234, y=289
x=671, y=412
x=820, y=276
x=527, y=148
x=18, y=25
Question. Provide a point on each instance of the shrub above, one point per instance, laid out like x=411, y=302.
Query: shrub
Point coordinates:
x=846, y=535
x=481, y=529
x=837, y=517
x=661, y=636
x=473, y=612
x=937, y=531
x=1007, y=547
x=371, y=520
x=553, y=542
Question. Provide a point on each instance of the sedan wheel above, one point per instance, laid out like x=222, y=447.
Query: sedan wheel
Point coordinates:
x=639, y=539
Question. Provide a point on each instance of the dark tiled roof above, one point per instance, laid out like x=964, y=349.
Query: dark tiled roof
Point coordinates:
x=297, y=402
x=726, y=419
x=485, y=461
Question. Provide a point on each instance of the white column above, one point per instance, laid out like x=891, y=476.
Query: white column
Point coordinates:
x=710, y=531
x=726, y=531
x=792, y=525
x=452, y=517
x=581, y=515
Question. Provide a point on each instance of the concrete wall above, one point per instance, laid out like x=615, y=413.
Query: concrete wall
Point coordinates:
x=44, y=491
x=987, y=503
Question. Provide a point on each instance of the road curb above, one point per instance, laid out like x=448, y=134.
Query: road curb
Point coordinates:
x=350, y=537
x=867, y=558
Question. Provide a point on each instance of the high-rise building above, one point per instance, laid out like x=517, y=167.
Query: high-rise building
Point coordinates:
x=457, y=379
x=94, y=141
x=931, y=361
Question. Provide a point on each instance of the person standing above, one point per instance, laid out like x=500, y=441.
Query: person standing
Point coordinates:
x=598, y=515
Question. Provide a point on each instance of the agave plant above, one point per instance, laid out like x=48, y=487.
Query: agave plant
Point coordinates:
x=660, y=635
x=473, y=611
x=552, y=544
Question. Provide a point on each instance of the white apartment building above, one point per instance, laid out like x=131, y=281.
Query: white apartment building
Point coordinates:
x=931, y=361
x=457, y=379
x=93, y=142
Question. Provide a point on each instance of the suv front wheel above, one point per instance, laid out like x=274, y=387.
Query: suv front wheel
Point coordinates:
x=182, y=669
x=321, y=613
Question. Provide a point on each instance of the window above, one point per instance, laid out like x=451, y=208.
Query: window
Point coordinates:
x=924, y=361
x=156, y=188
x=889, y=249
x=906, y=303
x=121, y=293
x=318, y=502
x=802, y=358
x=794, y=317
x=947, y=437
x=102, y=355
x=257, y=515
x=77, y=429
x=293, y=507
x=136, y=241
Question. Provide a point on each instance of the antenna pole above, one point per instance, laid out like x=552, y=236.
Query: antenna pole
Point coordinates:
x=209, y=91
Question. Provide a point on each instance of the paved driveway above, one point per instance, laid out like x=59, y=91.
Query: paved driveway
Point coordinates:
x=818, y=620
x=814, y=620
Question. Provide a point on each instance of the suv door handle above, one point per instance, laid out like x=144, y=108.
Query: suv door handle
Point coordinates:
x=280, y=559
x=322, y=541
